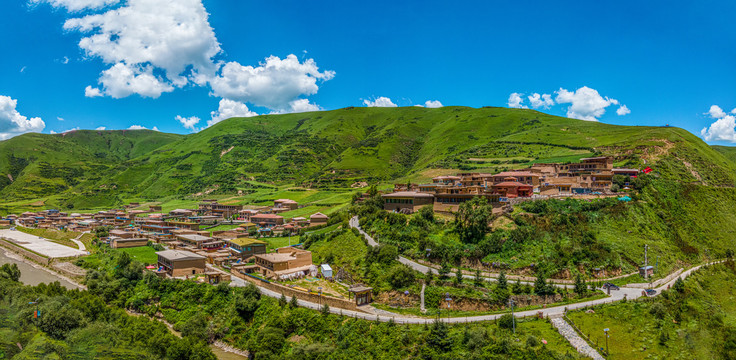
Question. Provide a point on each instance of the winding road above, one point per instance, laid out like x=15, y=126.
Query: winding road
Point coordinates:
x=553, y=312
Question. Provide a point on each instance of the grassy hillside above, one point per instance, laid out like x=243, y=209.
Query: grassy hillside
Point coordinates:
x=696, y=322
x=38, y=165
x=332, y=149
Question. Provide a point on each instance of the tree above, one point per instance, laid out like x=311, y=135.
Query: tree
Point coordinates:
x=459, y=276
x=401, y=276
x=10, y=271
x=293, y=303
x=540, y=285
x=325, y=310
x=282, y=300
x=472, y=218
x=581, y=289
x=517, y=288
x=502, y=282
x=444, y=270
x=246, y=303
x=478, y=278
x=438, y=337
x=679, y=285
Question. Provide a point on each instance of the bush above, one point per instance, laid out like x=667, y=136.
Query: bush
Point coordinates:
x=658, y=310
x=506, y=321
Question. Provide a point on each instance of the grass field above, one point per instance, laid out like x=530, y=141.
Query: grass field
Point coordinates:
x=671, y=326
x=144, y=254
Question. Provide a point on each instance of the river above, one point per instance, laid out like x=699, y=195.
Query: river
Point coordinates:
x=32, y=274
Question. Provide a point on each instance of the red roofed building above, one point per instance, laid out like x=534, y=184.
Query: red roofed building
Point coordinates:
x=267, y=220
x=511, y=188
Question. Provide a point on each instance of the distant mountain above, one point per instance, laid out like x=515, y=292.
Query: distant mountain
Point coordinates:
x=335, y=149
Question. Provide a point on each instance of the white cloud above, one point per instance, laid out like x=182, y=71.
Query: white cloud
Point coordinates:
x=272, y=84
x=716, y=112
x=585, y=103
x=228, y=109
x=432, y=104
x=92, y=92
x=516, y=101
x=65, y=131
x=544, y=100
x=77, y=5
x=23, y=69
x=302, y=105
x=123, y=80
x=723, y=129
x=59, y=118
x=65, y=60
x=381, y=101
x=188, y=123
x=623, y=110
x=173, y=37
x=101, y=128
x=12, y=123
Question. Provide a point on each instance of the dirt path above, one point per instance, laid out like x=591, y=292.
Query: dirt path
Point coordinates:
x=574, y=338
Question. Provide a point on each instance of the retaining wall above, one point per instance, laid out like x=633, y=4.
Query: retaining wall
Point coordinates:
x=289, y=292
x=658, y=283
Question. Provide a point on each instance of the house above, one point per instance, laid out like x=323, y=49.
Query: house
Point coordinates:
x=524, y=177
x=446, y=180
x=326, y=271
x=217, y=209
x=285, y=204
x=285, y=263
x=318, y=219
x=194, y=240
x=120, y=243
x=626, y=172
x=179, y=263
x=122, y=234
x=184, y=225
x=361, y=293
x=511, y=188
x=406, y=201
x=267, y=220
x=244, y=248
x=646, y=271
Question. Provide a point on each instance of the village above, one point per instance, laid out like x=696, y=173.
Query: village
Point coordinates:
x=187, y=249
x=590, y=177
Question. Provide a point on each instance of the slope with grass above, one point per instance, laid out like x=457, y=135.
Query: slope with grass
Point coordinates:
x=695, y=321
x=334, y=149
x=67, y=167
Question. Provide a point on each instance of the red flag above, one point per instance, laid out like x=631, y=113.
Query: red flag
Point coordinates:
x=648, y=170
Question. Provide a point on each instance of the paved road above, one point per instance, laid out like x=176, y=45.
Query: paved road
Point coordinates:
x=552, y=312
x=80, y=244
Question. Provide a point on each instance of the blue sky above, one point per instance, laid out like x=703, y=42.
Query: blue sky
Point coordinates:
x=667, y=62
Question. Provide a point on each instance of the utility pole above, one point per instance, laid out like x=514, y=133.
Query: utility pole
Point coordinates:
x=513, y=318
x=646, y=272
x=605, y=331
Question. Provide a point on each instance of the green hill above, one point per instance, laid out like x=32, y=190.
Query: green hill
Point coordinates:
x=334, y=149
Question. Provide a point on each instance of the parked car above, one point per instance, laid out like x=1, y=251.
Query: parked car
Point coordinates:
x=611, y=286
x=650, y=292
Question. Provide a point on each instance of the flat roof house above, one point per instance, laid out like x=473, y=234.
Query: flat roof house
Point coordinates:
x=286, y=262
x=244, y=248
x=407, y=201
x=179, y=263
x=119, y=243
x=267, y=220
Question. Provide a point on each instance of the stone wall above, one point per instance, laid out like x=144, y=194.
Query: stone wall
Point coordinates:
x=289, y=292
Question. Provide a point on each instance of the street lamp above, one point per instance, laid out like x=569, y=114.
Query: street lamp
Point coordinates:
x=320, y=295
x=448, y=299
x=605, y=331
